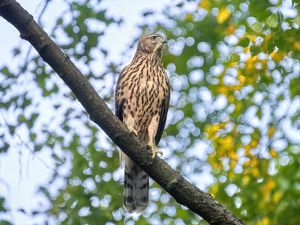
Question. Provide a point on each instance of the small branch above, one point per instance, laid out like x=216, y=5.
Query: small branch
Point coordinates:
x=39, y=20
x=22, y=142
x=23, y=68
x=173, y=182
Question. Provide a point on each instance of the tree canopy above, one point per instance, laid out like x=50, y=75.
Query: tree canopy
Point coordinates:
x=234, y=121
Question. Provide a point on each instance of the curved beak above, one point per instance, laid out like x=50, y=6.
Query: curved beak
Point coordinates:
x=161, y=43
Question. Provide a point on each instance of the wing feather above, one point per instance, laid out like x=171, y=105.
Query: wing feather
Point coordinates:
x=119, y=108
x=119, y=101
x=163, y=117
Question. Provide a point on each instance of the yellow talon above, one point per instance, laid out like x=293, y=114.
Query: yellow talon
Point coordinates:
x=133, y=131
x=154, y=150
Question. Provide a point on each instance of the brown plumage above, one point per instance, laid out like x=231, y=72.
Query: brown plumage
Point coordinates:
x=142, y=101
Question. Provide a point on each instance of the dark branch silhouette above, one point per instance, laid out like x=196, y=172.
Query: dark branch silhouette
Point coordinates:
x=171, y=180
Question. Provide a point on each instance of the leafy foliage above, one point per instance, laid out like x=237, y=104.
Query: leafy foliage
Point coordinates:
x=3, y=209
x=234, y=121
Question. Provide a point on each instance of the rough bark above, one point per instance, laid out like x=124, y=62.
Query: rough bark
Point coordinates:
x=169, y=179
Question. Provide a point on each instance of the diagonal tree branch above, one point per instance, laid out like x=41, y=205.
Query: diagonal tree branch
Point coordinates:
x=171, y=180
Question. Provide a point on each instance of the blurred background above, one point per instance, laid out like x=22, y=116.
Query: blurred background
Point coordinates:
x=233, y=127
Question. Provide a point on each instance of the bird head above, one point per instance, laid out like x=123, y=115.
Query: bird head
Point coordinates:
x=152, y=43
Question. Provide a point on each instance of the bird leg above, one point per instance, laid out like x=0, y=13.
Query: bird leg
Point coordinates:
x=152, y=130
x=154, y=151
x=132, y=130
x=129, y=121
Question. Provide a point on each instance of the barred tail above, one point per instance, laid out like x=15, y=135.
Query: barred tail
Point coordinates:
x=136, y=187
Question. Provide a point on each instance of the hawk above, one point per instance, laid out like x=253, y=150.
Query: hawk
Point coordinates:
x=142, y=102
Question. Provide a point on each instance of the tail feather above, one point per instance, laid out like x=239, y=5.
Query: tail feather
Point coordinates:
x=136, y=187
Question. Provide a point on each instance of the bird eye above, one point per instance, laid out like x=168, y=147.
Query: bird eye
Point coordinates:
x=153, y=37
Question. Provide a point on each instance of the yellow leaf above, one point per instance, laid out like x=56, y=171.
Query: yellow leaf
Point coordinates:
x=248, y=152
x=189, y=17
x=276, y=56
x=233, y=64
x=264, y=62
x=232, y=164
x=252, y=37
x=231, y=175
x=271, y=131
x=230, y=29
x=227, y=143
x=246, y=163
x=253, y=162
x=211, y=129
x=268, y=37
x=205, y=4
x=264, y=221
x=233, y=155
x=273, y=153
x=253, y=143
x=276, y=197
x=246, y=49
x=245, y=179
x=215, y=165
x=223, y=15
x=268, y=187
x=241, y=78
x=297, y=45
x=214, y=190
x=223, y=90
x=255, y=172
x=250, y=63
x=231, y=98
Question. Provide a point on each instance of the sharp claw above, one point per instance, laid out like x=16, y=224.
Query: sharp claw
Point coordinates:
x=154, y=151
x=133, y=131
x=153, y=154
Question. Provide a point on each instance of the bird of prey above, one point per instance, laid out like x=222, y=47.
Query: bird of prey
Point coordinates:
x=142, y=102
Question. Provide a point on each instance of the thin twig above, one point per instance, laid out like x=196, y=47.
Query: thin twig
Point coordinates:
x=22, y=142
x=23, y=68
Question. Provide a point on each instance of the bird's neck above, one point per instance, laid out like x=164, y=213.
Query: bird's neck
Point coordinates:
x=151, y=58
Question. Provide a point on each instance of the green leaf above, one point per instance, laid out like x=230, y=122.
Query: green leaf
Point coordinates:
x=297, y=20
x=295, y=87
x=26, y=102
x=21, y=118
x=271, y=47
x=11, y=129
x=244, y=42
x=2, y=208
x=295, y=117
x=5, y=71
x=255, y=50
x=4, y=147
x=32, y=136
x=5, y=222
x=262, y=87
x=235, y=58
x=272, y=21
x=32, y=120
x=257, y=27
